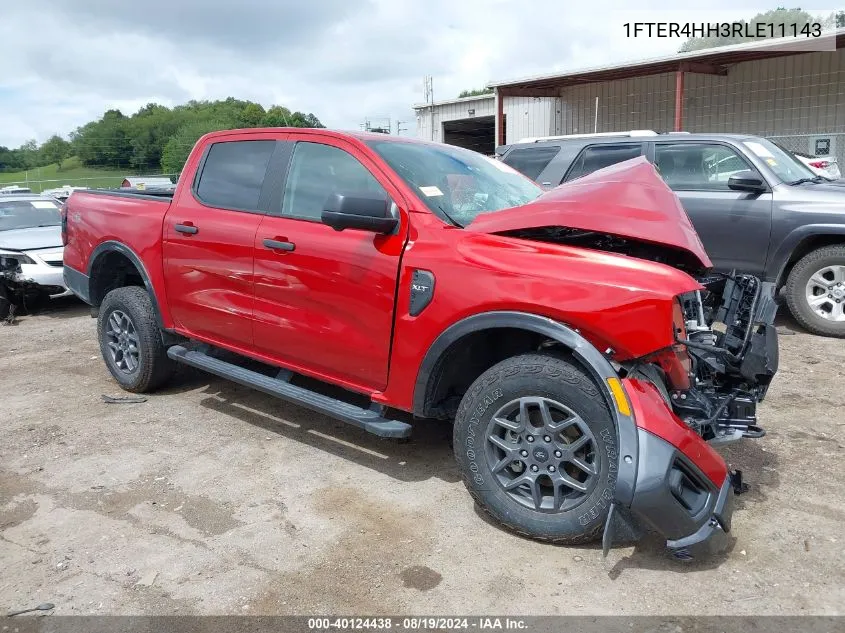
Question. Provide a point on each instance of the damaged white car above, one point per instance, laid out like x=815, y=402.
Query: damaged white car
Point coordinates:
x=30, y=252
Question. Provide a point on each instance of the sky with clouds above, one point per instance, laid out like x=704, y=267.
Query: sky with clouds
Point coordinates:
x=66, y=61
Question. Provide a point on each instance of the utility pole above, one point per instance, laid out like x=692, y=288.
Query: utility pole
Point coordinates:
x=399, y=128
x=428, y=83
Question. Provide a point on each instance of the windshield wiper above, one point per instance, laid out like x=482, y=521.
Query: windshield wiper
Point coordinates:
x=449, y=217
x=801, y=181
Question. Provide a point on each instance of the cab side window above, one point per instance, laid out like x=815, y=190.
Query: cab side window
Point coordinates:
x=316, y=172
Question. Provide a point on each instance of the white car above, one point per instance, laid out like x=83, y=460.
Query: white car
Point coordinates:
x=824, y=166
x=31, y=250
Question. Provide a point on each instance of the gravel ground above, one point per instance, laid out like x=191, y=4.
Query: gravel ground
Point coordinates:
x=213, y=499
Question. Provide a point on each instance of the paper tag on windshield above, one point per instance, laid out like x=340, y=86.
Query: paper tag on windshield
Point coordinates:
x=42, y=204
x=431, y=191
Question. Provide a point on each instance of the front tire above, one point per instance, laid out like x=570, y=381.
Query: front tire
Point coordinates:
x=815, y=291
x=535, y=441
x=130, y=340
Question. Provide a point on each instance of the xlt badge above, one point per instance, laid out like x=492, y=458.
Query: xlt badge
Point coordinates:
x=422, y=291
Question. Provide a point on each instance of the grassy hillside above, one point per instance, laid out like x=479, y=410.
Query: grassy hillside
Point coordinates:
x=72, y=172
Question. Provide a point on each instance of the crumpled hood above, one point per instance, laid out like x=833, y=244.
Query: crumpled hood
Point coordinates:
x=628, y=200
x=31, y=239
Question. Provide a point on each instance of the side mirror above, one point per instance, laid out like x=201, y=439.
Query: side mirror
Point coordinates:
x=363, y=211
x=746, y=181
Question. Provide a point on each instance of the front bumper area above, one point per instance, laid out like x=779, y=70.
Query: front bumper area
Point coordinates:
x=682, y=488
x=45, y=273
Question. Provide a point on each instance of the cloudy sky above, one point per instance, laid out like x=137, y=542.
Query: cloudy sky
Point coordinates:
x=66, y=61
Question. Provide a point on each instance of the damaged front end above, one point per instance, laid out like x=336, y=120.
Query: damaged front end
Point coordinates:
x=701, y=391
x=718, y=352
x=724, y=359
x=16, y=290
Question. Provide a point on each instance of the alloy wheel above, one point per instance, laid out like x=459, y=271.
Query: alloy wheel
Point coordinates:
x=825, y=293
x=122, y=341
x=542, y=453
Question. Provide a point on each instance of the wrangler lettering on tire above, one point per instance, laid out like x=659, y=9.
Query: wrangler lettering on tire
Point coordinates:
x=536, y=444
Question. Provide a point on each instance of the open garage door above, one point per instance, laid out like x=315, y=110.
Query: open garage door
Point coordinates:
x=478, y=134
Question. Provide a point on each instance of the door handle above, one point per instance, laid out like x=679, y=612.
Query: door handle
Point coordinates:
x=278, y=245
x=186, y=228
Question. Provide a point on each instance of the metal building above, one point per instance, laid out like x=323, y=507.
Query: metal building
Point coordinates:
x=774, y=88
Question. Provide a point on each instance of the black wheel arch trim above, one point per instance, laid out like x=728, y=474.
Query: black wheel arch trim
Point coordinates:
x=110, y=246
x=592, y=360
x=77, y=282
x=778, y=262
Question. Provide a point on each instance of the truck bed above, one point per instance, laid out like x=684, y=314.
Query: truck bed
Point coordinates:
x=150, y=194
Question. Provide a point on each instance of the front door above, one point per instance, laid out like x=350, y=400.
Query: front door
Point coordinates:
x=208, y=239
x=734, y=226
x=324, y=299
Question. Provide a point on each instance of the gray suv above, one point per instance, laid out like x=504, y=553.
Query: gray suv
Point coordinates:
x=756, y=207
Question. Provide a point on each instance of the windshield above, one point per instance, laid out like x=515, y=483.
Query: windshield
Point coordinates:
x=26, y=214
x=785, y=166
x=457, y=184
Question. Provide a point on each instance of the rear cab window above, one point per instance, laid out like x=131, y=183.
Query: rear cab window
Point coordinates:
x=232, y=174
x=595, y=157
x=531, y=161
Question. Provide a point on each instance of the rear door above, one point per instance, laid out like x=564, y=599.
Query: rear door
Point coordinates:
x=208, y=242
x=734, y=226
x=325, y=299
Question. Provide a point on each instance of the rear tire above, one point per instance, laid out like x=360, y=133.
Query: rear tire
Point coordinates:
x=827, y=267
x=130, y=340
x=539, y=488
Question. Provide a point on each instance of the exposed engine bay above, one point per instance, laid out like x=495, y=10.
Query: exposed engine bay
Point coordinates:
x=733, y=351
x=726, y=351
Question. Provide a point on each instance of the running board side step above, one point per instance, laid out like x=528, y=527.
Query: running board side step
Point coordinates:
x=367, y=419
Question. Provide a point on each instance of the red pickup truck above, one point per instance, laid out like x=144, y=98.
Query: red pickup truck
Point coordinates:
x=574, y=336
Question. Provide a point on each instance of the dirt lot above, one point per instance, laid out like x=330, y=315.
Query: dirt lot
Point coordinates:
x=212, y=499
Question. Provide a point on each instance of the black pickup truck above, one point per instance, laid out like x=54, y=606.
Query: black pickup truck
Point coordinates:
x=757, y=209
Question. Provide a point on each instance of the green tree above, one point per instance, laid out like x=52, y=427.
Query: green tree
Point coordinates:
x=475, y=93
x=54, y=150
x=179, y=146
x=277, y=116
x=153, y=137
x=251, y=115
x=781, y=15
x=29, y=154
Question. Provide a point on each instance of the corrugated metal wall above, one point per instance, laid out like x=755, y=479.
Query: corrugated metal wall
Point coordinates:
x=531, y=116
x=799, y=94
x=642, y=103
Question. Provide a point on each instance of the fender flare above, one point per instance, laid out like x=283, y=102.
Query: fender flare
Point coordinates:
x=112, y=246
x=777, y=264
x=592, y=360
